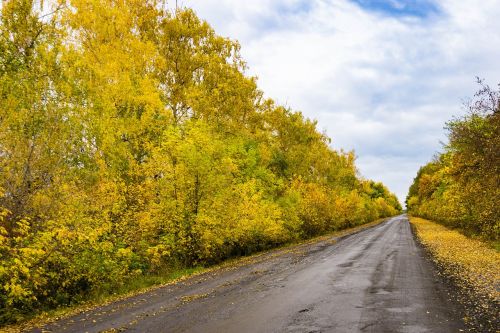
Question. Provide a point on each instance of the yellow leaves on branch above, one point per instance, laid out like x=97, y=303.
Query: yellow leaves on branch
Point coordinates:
x=132, y=142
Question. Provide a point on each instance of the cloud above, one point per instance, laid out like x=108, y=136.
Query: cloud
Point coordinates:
x=381, y=77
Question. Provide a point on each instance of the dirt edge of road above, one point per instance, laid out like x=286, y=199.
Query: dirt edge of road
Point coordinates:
x=227, y=265
x=479, y=313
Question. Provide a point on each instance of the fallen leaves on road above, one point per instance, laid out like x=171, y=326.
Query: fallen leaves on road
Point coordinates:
x=470, y=264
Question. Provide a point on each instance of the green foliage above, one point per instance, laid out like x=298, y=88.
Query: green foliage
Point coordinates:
x=132, y=144
x=461, y=187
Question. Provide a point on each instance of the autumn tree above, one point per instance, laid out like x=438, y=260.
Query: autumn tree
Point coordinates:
x=461, y=187
x=132, y=143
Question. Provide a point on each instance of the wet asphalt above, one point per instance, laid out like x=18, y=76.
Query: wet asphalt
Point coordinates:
x=376, y=280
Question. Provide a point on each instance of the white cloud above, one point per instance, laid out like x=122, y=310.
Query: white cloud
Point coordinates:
x=381, y=85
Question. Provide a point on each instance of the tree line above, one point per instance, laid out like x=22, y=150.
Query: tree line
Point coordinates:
x=132, y=142
x=461, y=186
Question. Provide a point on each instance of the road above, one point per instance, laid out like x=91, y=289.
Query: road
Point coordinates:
x=376, y=280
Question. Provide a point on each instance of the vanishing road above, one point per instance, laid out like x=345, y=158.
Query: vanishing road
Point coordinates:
x=376, y=280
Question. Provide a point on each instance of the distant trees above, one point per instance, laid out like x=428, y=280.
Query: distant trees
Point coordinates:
x=461, y=187
x=131, y=142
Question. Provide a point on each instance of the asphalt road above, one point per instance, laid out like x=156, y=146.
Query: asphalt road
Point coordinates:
x=377, y=280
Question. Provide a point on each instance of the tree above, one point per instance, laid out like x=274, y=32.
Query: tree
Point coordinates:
x=461, y=187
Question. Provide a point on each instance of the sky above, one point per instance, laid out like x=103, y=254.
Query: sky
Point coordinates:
x=381, y=77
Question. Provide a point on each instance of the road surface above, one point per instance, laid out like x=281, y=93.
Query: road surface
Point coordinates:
x=377, y=280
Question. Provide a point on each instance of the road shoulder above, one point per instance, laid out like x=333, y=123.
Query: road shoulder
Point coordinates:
x=470, y=266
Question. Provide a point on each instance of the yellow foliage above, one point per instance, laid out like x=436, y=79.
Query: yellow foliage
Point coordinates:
x=460, y=187
x=132, y=142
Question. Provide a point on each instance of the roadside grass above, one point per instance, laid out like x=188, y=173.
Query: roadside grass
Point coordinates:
x=495, y=245
x=472, y=265
x=144, y=283
x=104, y=296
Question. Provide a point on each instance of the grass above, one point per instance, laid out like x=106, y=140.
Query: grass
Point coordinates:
x=144, y=283
x=473, y=265
x=495, y=245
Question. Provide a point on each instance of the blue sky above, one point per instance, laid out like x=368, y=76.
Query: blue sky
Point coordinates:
x=381, y=77
x=400, y=8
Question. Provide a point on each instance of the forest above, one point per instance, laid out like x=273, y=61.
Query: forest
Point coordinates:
x=460, y=188
x=132, y=142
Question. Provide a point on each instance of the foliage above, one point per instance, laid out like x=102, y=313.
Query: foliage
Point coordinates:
x=132, y=142
x=461, y=187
